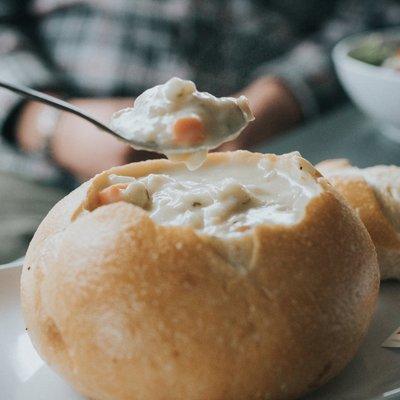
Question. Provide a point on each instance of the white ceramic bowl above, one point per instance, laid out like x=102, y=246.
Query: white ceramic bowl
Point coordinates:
x=376, y=90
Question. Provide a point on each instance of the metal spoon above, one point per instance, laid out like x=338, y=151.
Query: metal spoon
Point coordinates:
x=64, y=106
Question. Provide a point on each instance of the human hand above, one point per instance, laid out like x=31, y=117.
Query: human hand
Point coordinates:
x=275, y=109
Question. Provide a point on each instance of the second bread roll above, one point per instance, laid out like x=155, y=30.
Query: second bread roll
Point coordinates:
x=374, y=193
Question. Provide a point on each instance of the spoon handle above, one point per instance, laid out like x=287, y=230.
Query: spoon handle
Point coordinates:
x=56, y=103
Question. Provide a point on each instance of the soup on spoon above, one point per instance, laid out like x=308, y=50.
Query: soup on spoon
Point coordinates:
x=181, y=122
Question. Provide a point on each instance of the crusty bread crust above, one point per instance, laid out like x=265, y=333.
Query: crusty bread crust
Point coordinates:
x=377, y=215
x=126, y=309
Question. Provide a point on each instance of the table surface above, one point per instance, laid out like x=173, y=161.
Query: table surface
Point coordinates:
x=344, y=133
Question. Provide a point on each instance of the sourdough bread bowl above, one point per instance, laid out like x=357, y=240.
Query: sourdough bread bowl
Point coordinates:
x=127, y=306
x=374, y=193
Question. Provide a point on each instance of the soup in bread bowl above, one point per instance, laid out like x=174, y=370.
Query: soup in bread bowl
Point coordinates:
x=249, y=278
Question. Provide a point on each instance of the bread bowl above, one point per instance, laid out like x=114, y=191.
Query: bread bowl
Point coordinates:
x=374, y=193
x=127, y=306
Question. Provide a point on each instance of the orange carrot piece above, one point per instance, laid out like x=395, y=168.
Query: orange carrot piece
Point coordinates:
x=111, y=194
x=188, y=130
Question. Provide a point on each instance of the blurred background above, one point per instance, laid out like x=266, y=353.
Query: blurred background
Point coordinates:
x=101, y=54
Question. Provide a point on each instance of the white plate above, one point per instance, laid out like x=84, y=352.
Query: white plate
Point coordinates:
x=373, y=374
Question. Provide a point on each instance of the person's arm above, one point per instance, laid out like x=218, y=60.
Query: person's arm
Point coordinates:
x=77, y=145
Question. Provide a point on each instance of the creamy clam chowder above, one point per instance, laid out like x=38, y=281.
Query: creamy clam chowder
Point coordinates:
x=227, y=198
x=175, y=116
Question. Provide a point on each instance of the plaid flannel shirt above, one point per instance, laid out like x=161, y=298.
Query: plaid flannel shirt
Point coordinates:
x=121, y=47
